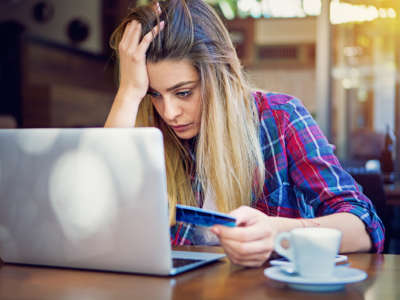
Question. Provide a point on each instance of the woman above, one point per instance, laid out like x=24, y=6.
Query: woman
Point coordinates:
x=259, y=156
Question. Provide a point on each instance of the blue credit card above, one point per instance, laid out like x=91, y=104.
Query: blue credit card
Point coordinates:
x=202, y=217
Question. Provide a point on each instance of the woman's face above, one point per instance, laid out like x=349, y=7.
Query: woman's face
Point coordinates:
x=174, y=87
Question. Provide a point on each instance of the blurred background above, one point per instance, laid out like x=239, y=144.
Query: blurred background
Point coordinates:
x=340, y=57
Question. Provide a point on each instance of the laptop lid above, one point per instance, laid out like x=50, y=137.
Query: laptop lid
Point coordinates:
x=85, y=198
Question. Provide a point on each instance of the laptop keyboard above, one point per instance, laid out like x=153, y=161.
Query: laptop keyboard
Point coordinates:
x=180, y=262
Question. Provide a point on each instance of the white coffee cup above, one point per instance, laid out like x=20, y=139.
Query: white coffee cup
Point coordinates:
x=312, y=250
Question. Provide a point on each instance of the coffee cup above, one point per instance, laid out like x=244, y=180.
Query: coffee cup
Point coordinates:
x=311, y=250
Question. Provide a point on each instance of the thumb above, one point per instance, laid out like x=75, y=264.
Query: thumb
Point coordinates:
x=244, y=215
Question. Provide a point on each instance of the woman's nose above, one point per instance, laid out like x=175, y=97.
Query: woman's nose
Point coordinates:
x=171, y=110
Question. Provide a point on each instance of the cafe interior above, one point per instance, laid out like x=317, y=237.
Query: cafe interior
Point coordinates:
x=340, y=57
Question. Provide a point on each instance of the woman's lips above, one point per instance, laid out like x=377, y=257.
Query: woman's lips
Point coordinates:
x=181, y=128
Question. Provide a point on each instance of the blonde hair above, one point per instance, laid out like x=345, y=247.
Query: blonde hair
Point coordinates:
x=229, y=160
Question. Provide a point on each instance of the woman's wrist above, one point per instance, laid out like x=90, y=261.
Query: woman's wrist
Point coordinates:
x=124, y=109
x=129, y=96
x=288, y=224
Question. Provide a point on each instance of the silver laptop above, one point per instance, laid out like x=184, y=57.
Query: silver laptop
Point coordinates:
x=88, y=198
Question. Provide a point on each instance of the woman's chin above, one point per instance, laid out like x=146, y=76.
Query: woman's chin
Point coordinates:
x=186, y=135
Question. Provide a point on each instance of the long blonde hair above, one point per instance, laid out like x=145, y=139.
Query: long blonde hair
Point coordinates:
x=229, y=160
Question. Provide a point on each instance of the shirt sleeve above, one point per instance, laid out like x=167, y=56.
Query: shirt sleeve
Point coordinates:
x=181, y=234
x=315, y=170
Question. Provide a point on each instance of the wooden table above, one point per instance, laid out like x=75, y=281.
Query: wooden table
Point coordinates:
x=220, y=280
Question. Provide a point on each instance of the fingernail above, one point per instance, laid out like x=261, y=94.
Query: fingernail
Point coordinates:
x=215, y=230
x=162, y=24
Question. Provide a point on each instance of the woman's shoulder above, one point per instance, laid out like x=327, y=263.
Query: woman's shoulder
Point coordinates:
x=276, y=103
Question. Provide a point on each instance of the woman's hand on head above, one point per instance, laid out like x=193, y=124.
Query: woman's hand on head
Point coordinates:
x=134, y=79
x=251, y=242
x=132, y=59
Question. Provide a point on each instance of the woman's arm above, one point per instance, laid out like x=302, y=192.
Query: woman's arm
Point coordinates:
x=123, y=110
x=134, y=81
x=252, y=242
x=326, y=186
x=355, y=238
x=320, y=183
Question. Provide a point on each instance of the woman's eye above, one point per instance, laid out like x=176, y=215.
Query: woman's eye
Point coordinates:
x=184, y=94
x=153, y=94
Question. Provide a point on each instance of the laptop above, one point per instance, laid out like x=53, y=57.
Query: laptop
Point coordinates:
x=92, y=198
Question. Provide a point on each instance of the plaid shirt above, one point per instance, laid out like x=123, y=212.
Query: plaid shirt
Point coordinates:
x=303, y=177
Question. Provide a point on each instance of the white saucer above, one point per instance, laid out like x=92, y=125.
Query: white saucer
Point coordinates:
x=284, y=262
x=341, y=276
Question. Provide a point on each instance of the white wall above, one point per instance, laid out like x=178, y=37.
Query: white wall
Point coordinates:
x=285, y=31
x=294, y=80
x=299, y=83
x=55, y=29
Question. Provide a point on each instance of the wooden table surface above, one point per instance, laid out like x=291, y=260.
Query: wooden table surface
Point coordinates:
x=220, y=280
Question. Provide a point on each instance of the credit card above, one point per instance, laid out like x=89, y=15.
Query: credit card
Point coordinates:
x=202, y=217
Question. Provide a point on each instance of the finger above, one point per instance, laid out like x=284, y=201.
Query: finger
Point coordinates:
x=129, y=31
x=245, y=214
x=134, y=36
x=157, y=8
x=253, y=261
x=241, y=234
x=250, y=263
x=248, y=250
x=148, y=38
x=247, y=260
x=239, y=259
x=128, y=27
